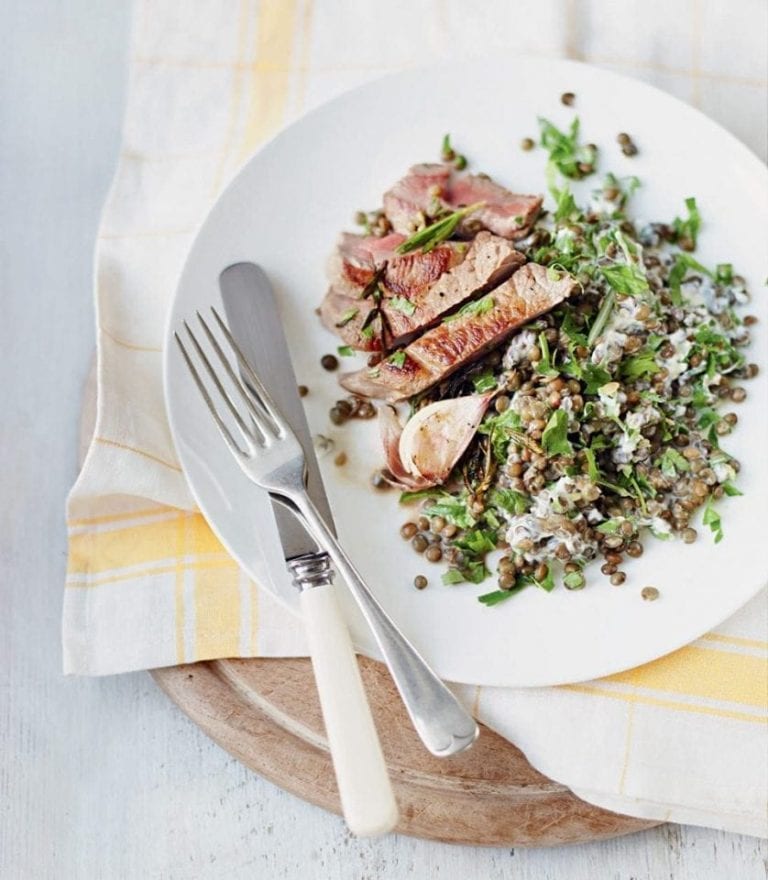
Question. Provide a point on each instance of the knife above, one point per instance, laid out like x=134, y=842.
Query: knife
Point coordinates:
x=367, y=799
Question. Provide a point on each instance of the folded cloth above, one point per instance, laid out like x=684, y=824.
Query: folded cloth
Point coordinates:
x=149, y=585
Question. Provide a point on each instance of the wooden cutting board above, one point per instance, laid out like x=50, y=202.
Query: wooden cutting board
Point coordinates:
x=266, y=713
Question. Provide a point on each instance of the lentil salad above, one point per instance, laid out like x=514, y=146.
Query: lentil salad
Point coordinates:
x=607, y=412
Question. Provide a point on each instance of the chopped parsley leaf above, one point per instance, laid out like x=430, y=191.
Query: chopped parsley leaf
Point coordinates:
x=554, y=440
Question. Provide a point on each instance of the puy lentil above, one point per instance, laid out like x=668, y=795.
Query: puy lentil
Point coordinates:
x=341, y=459
x=419, y=543
x=329, y=362
x=303, y=391
x=507, y=581
x=423, y=523
x=689, y=535
x=408, y=530
x=434, y=553
x=437, y=523
x=649, y=593
x=738, y=395
x=420, y=582
x=618, y=578
x=527, y=144
x=567, y=98
x=501, y=404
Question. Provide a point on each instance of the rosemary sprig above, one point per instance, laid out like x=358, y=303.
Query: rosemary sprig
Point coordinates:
x=426, y=239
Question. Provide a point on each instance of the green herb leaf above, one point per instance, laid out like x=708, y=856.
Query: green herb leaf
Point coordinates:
x=548, y=583
x=452, y=576
x=712, y=519
x=683, y=263
x=346, y=317
x=730, y=489
x=485, y=381
x=568, y=326
x=426, y=239
x=500, y=429
x=508, y=499
x=641, y=364
x=688, y=229
x=497, y=596
x=367, y=332
x=592, y=470
x=598, y=325
x=454, y=510
x=545, y=366
x=673, y=463
x=567, y=210
x=475, y=572
x=477, y=542
x=345, y=350
x=595, y=377
x=569, y=157
x=574, y=580
x=724, y=273
x=401, y=304
x=475, y=307
x=626, y=278
x=407, y=497
x=609, y=527
x=554, y=440
x=397, y=359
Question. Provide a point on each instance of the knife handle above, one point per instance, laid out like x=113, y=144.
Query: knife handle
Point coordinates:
x=367, y=799
x=443, y=724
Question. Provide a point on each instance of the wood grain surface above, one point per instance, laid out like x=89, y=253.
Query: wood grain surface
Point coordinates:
x=265, y=712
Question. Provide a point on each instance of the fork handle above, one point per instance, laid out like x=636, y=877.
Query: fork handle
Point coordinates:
x=443, y=724
x=367, y=800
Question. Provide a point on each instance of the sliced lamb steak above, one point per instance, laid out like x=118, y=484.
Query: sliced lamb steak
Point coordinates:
x=428, y=188
x=417, y=288
x=528, y=293
x=417, y=195
x=506, y=213
x=489, y=260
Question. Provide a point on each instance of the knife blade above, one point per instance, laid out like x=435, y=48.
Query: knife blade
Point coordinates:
x=254, y=320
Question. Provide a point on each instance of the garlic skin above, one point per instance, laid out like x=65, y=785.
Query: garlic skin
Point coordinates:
x=434, y=439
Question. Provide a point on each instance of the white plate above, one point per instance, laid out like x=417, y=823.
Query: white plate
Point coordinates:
x=284, y=210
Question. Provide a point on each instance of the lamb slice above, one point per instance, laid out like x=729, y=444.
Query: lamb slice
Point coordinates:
x=454, y=343
x=488, y=261
x=344, y=314
x=508, y=214
x=415, y=196
x=406, y=277
x=357, y=257
x=427, y=188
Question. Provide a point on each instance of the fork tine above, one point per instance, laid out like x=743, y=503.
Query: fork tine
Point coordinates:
x=260, y=416
x=247, y=433
x=256, y=385
x=225, y=432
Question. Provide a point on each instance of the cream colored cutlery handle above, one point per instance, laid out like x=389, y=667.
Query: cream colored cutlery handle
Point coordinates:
x=366, y=793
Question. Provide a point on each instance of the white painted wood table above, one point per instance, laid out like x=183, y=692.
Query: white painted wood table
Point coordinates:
x=106, y=778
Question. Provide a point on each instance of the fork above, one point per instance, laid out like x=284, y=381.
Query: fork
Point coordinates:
x=271, y=456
